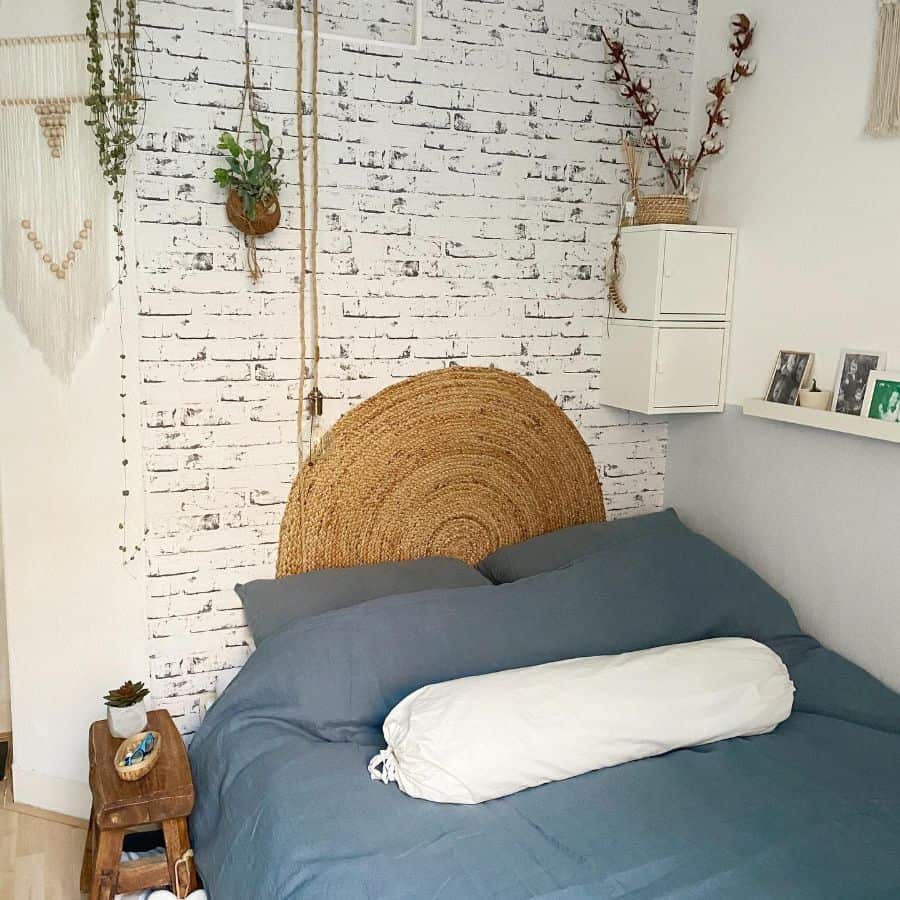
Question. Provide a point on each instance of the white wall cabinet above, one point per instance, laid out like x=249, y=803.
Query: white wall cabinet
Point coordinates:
x=669, y=352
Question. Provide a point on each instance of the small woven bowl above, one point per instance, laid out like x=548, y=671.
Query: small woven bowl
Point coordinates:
x=663, y=209
x=139, y=769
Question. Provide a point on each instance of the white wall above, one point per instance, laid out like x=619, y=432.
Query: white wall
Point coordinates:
x=75, y=616
x=815, y=198
x=5, y=711
x=816, y=202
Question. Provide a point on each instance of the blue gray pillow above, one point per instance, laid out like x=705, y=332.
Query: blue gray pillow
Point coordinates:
x=559, y=548
x=271, y=603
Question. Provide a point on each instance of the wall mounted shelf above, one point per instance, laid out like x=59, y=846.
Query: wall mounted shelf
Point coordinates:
x=830, y=421
x=668, y=353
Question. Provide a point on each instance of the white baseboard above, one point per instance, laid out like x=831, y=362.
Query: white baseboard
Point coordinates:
x=62, y=795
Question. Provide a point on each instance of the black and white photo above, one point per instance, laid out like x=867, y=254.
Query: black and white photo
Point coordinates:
x=854, y=367
x=793, y=371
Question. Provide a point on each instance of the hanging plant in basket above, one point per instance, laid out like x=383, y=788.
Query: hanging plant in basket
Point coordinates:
x=250, y=176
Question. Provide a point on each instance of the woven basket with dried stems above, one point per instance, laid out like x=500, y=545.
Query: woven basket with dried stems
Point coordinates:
x=663, y=209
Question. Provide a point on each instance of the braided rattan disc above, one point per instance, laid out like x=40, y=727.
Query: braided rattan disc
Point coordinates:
x=457, y=463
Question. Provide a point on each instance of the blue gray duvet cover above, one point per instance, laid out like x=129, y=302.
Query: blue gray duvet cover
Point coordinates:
x=286, y=809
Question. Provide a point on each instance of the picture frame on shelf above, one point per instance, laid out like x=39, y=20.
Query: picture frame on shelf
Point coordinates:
x=852, y=379
x=882, y=399
x=793, y=372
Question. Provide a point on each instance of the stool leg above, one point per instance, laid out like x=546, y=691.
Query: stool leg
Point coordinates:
x=105, y=877
x=87, y=861
x=178, y=841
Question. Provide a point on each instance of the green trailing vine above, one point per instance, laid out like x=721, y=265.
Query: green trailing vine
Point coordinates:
x=114, y=104
x=115, y=108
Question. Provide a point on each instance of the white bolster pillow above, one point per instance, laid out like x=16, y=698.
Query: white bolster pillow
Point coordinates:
x=474, y=739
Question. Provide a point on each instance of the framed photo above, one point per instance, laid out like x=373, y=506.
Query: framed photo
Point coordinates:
x=882, y=400
x=793, y=371
x=852, y=378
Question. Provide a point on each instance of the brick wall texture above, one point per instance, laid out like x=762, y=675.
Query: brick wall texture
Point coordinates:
x=468, y=186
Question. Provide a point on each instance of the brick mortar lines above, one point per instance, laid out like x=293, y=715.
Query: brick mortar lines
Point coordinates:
x=468, y=191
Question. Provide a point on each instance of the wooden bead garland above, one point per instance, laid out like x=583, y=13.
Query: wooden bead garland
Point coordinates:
x=60, y=270
x=52, y=119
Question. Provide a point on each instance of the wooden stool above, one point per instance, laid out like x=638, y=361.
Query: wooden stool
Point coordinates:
x=165, y=797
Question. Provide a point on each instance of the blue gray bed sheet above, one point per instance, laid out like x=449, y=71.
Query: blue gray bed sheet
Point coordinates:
x=286, y=809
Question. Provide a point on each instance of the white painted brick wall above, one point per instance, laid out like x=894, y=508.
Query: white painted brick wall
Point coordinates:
x=467, y=193
x=385, y=20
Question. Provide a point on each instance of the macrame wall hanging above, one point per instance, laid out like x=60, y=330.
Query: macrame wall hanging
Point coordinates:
x=54, y=208
x=309, y=247
x=884, y=118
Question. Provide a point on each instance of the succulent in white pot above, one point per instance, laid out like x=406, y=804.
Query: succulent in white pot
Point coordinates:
x=125, y=711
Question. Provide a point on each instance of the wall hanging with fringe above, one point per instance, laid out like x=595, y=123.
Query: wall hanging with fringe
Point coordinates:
x=55, y=212
x=884, y=118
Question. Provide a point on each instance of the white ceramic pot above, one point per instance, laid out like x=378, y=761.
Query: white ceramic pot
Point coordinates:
x=816, y=399
x=124, y=721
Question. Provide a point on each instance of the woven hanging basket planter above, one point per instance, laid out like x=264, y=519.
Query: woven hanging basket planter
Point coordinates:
x=663, y=209
x=265, y=220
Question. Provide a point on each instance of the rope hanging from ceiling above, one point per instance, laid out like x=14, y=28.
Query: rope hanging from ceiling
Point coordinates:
x=309, y=246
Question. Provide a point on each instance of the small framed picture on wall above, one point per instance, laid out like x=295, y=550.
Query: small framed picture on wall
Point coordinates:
x=852, y=378
x=793, y=371
x=882, y=400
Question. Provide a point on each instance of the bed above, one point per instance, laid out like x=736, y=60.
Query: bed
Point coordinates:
x=461, y=463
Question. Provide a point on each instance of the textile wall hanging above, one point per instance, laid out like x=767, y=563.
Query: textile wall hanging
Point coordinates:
x=884, y=118
x=54, y=208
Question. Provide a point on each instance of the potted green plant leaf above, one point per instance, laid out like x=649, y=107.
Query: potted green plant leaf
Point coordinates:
x=250, y=176
x=125, y=711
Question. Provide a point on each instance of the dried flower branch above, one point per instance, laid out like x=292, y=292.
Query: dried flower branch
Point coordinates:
x=711, y=143
x=638, y=90
x=680, y=167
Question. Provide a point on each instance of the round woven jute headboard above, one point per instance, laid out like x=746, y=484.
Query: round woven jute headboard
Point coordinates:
x=457, y=462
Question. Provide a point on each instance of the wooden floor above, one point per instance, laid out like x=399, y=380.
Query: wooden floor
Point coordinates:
x=40, y=859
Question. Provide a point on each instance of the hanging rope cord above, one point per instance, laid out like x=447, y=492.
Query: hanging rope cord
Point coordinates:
x=309, y=249
x=248, y=103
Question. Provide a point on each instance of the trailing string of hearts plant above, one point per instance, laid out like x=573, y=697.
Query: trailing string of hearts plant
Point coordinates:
x=115, y=116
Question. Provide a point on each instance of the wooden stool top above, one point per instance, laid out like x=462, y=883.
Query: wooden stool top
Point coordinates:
x=166, y=792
